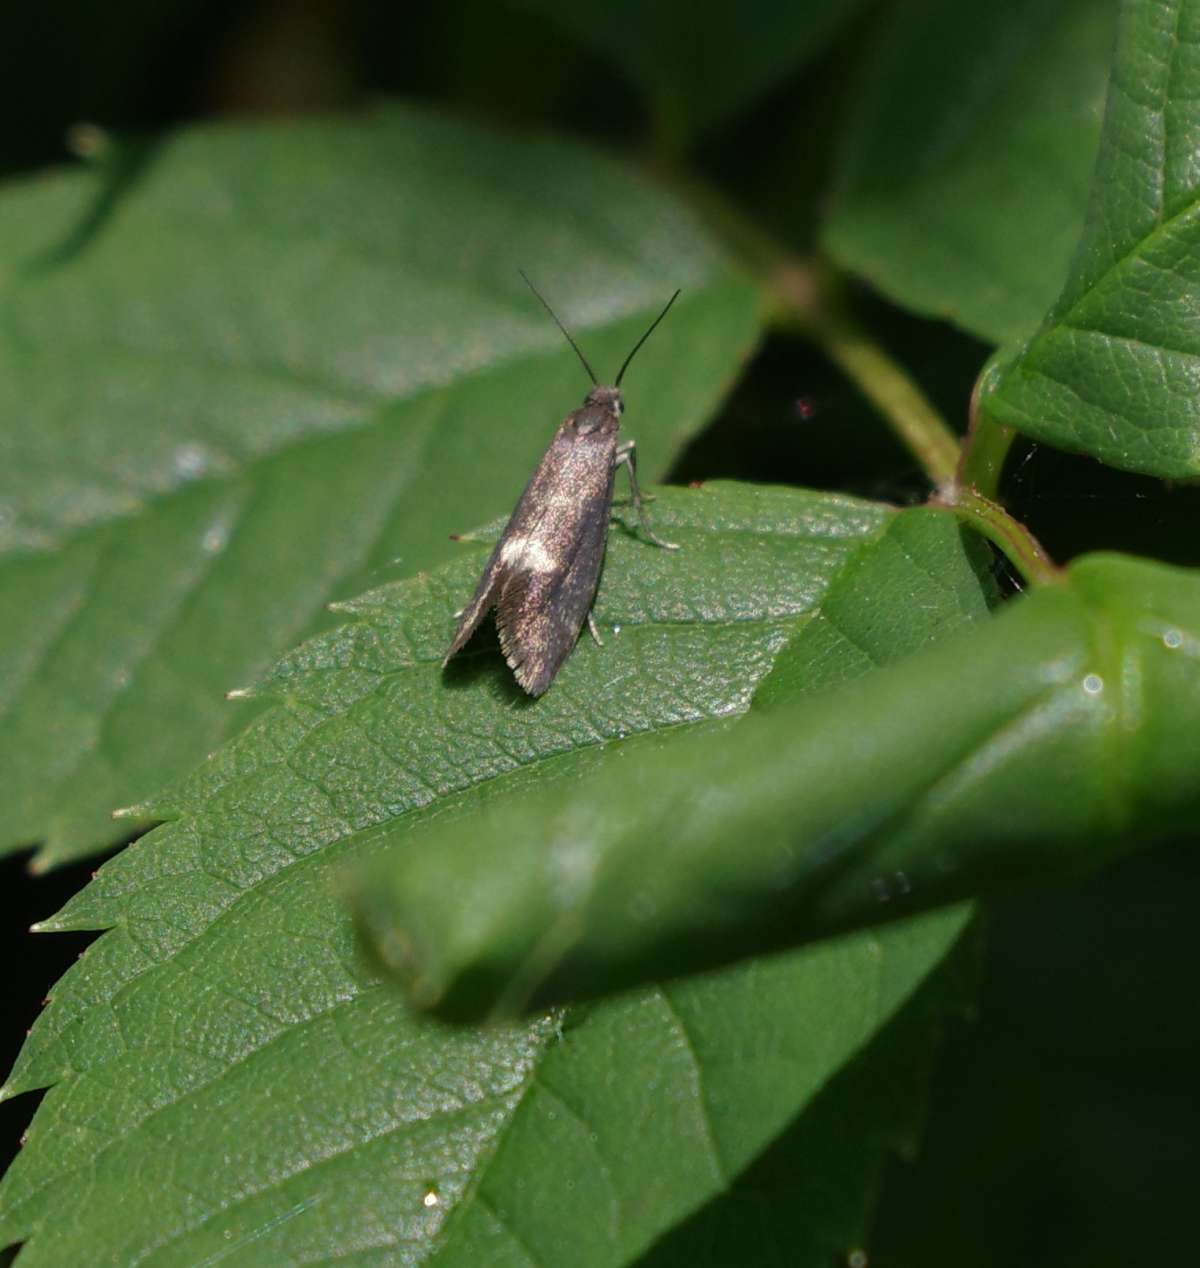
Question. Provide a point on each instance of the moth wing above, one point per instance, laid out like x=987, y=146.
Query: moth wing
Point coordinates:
x=539, y=613
x=487, y=592
x=483, y=600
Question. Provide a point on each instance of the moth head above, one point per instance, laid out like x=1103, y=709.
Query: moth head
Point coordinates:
x=608, y=398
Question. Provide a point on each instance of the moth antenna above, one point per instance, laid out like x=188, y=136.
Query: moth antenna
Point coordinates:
x=642, y=340
x=566, y=332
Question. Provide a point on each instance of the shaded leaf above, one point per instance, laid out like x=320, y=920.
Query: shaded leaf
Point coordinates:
x=810, y=1198
x=1113, y=370
x=226, y=1007
x=700, y=67
x=1047, y=740
x=275, y=359
x=962, y=180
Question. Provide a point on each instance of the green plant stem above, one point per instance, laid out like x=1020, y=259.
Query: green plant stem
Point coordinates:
x=1014, y=540
x=983, y=455
x=808, y=296
x=901, y=402
x=985, y=448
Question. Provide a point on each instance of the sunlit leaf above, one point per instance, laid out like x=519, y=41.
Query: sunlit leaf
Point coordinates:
x=1045, y=741
x=1113, y=371
x=226, y=1009
x=244, y=369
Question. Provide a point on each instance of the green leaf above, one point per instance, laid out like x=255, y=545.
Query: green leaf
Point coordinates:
x=810, y=1198
x=231, y=1080
x=1049, y=739
x=264, y=364
x=1112, y=371
x=962, y=180
x=700, y=68
x=919, y=583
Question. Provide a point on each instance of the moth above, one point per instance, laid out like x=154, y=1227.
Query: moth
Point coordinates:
x=541, y=578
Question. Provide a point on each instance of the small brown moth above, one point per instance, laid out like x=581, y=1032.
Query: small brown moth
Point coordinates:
x=542, y=576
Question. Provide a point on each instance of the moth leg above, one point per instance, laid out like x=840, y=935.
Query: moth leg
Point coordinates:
x=622, y=450
x=594, y=630
x=626, y=456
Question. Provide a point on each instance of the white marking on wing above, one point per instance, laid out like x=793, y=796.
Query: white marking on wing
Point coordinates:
x=526, y=553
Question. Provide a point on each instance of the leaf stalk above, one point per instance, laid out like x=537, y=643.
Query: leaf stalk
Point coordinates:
x=808, y=295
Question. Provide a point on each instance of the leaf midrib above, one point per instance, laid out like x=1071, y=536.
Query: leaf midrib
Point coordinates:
x=1064, y=317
